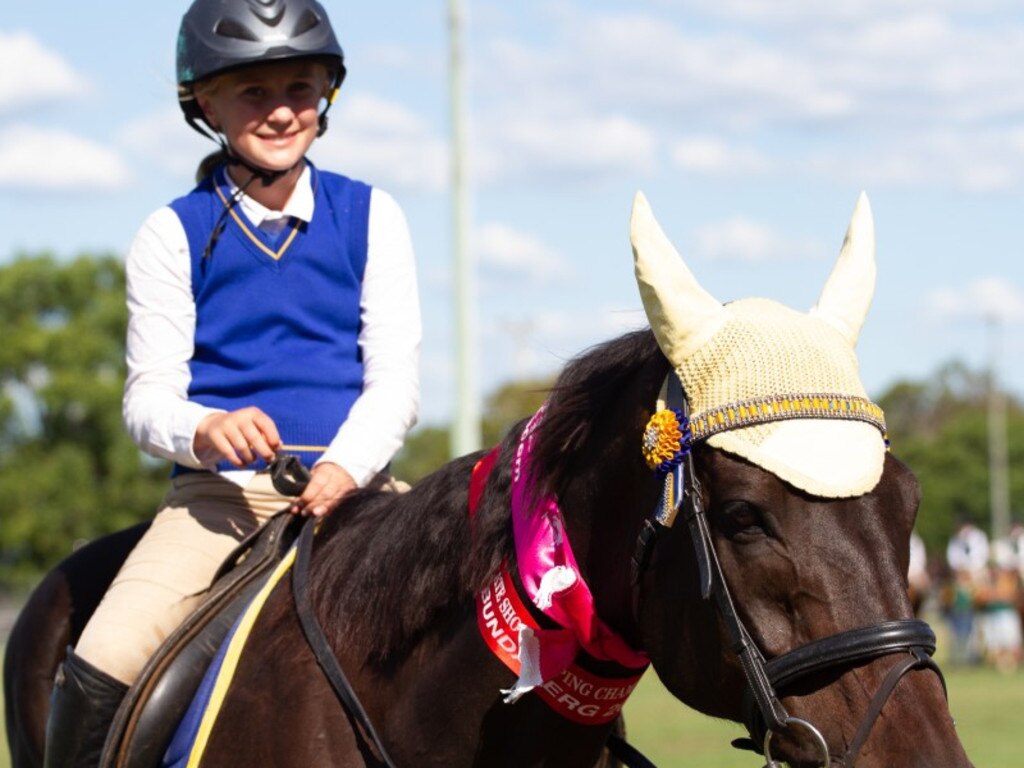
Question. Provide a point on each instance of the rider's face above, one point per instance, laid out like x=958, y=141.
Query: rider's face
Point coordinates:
x=267, y=112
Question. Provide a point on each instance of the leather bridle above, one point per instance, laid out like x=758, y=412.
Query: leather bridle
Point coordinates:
x=764, y=714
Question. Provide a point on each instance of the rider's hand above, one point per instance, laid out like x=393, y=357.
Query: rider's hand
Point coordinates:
x=328, y=485
x=239, y=436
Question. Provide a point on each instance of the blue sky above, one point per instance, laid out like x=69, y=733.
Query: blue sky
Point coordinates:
x=751, y=127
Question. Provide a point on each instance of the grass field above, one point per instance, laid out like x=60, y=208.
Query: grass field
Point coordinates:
x=988, y=706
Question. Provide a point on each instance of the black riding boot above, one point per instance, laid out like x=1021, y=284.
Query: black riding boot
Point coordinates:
x=82, y=707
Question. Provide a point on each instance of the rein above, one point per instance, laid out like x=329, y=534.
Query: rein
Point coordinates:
x=319, y=645
x=290, y=478
x=764, y=713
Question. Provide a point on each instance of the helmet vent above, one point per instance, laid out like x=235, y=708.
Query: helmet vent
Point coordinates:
x=269, y=12
x=306, y=22
x=231, y=28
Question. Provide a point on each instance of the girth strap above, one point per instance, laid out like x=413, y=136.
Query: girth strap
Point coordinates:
x=318, y=641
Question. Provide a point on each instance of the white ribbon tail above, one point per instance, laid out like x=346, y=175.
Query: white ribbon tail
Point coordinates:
x=529, y=669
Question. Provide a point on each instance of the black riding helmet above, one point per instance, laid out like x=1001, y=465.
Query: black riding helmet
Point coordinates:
x=217, y=36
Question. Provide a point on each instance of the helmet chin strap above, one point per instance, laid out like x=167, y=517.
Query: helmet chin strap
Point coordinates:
x=265, y=175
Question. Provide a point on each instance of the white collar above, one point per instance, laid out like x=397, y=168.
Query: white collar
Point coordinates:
x=299, y=205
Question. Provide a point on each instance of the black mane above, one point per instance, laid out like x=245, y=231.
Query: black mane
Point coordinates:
x=388, y=567
x=587, y=395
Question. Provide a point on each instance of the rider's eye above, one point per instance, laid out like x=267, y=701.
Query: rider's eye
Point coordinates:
x=741, y=519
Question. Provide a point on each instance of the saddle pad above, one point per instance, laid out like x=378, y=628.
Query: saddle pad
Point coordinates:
x=189, y=742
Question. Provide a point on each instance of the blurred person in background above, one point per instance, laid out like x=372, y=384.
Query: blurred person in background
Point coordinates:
x=967, y=557
x=998, y=598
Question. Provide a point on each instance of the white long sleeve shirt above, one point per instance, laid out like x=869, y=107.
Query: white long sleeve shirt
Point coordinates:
x=161, y=331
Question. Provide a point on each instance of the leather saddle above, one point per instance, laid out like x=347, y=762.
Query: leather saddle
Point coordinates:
x=155, y=704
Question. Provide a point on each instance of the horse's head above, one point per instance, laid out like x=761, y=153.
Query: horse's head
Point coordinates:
x=777, y=595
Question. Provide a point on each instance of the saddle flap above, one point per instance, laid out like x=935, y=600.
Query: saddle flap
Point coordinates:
x=147, y=719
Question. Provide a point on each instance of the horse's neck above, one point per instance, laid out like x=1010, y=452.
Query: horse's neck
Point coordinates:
x=604, y=511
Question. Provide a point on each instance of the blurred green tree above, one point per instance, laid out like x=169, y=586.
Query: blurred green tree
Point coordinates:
x=939, y=428
x=68, y=470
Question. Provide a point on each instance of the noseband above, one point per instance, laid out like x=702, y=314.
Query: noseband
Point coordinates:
x=764, y=715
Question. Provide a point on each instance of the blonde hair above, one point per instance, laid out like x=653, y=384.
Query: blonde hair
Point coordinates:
x=210, y=163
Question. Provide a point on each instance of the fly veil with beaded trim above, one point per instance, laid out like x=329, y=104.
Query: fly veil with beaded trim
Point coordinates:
x=777, y=387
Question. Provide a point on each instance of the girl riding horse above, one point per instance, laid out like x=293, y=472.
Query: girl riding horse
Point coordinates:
x=715, y=497
x=274, y=305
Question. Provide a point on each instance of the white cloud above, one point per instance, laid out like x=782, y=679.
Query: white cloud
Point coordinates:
x=34, y=74
x=393, y=55
x=535, y=344
x=47, y=159
x=165, y=139
x=925, y=92
x=804, y=12
x=988, y=297
x=707, y=154
x=541, y=342
x=512, y=252
x=384, y=141
x=977, y=161
x=741, y=240
x=644, y=65
x=535, y=145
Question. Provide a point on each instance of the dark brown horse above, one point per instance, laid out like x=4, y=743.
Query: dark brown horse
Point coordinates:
x=395, y=578
x=816, y=586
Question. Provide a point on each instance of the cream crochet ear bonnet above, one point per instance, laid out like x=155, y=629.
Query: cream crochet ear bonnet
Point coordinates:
x=777, y=387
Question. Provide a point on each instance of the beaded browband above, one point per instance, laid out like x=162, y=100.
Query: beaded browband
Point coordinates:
x=763, y=410
x=669, y=434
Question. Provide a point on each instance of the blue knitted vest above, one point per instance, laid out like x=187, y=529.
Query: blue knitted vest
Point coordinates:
x=278, y=317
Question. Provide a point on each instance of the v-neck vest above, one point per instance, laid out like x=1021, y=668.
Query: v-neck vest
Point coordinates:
x=278, y=317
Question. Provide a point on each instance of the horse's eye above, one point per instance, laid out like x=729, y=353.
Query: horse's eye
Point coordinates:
x=739, y=519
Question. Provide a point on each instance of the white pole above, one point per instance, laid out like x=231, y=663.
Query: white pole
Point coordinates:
x=998, y=461
x=465, y=436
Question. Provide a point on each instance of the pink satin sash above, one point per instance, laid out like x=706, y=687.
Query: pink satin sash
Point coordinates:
x=553, y=583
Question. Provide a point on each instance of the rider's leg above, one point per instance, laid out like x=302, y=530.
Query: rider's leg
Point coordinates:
x=163, y=579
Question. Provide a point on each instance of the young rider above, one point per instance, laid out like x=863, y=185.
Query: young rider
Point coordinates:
x=274, y=307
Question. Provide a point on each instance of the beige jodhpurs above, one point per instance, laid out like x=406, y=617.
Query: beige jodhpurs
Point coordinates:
x=201, y=520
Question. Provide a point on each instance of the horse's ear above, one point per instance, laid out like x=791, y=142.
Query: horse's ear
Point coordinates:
x=845, y=299
x=682, y=315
